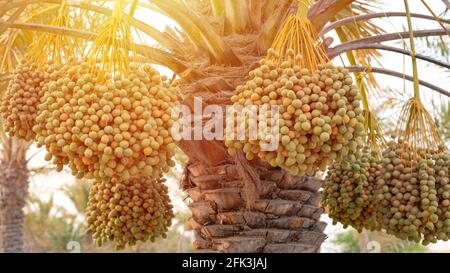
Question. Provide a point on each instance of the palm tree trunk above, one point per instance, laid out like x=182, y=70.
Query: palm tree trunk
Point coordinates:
x=13, y=190
x=284, y=216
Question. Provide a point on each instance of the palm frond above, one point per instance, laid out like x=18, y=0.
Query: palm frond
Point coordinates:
x=237, y=17
x=199, y=31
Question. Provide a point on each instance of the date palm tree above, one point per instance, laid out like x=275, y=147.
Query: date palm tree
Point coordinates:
x=13, y=190
x=13, y=162
x=240, y=205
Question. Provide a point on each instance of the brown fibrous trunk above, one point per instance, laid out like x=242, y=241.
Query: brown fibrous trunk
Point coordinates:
x=13, y=191
x=283, y=218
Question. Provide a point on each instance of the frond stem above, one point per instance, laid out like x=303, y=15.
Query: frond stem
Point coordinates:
x=385, y=38
x=333, y=54
x=398, y=75
x=365, y=17
x=413, y=52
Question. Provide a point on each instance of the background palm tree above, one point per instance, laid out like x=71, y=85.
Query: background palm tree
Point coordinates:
x=237, y=205
x=13, y=165
x=13, y=190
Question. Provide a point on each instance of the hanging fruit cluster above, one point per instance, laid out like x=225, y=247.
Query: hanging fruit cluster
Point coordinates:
x=412, y=189
x=349, y=185
x=128, y=211
x=319, y=119
x=410, y=206
x=19, y=106
x=409, y=194
x=120, y=111
x=108, y=129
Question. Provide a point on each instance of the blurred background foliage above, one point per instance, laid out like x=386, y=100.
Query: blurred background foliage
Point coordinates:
x=52, y=228
x=350, y=241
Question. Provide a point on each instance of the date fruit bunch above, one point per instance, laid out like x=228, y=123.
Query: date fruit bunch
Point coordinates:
x=118, y=127
x=319, y=117
x=414, y=194
x=19, y=106
x=129, y=211
x=348, y=194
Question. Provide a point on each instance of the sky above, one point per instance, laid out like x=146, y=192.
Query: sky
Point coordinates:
x=48, y=185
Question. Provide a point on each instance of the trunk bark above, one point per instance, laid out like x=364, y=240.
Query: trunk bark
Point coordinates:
x=285, y=217
x=13, y=190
